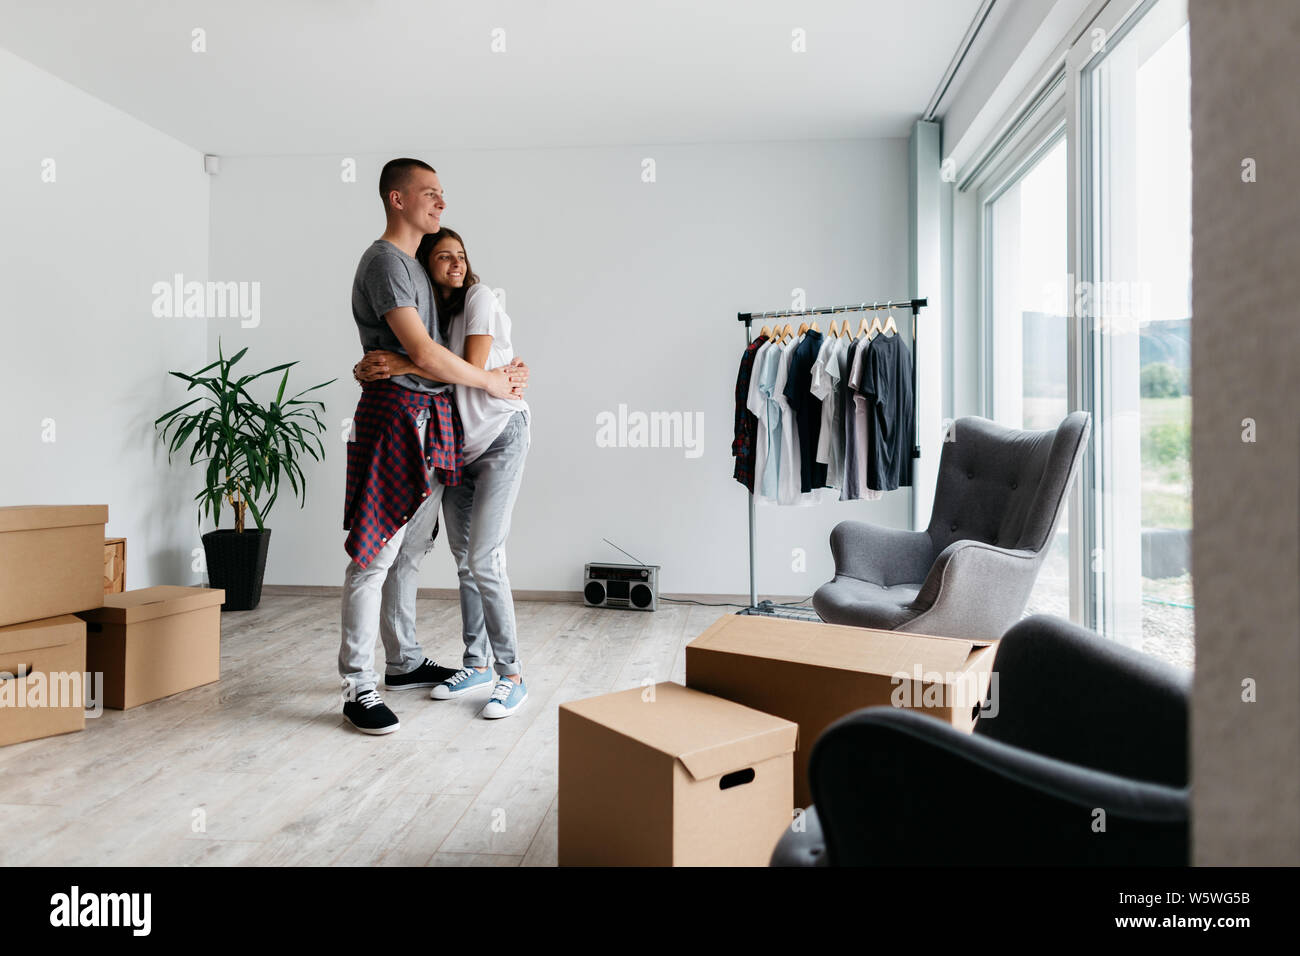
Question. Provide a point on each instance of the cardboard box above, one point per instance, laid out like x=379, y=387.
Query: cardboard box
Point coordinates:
x=154, y=642
x=51, y=560
x=42, y=673
x=685, y=779
x=815, y=673
x=114, y=565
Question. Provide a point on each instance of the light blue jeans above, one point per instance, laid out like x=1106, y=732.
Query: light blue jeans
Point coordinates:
x=379, y=599
x=477, y=516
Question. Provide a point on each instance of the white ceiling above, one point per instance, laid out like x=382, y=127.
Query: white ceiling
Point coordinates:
x=344, y=76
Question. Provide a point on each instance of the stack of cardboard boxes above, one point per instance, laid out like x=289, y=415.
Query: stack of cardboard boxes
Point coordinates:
x=51, y=566
x=63, y=635
x=712, y=773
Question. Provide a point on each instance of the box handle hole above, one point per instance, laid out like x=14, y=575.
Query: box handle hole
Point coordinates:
x=736, y=779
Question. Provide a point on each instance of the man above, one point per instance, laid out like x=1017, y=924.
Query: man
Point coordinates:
x=406, y=447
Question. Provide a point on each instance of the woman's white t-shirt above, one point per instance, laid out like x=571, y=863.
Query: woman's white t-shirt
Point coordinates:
x=482, y=415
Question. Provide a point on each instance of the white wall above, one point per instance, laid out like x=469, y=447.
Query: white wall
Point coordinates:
x=78, y=256
x=621, y=292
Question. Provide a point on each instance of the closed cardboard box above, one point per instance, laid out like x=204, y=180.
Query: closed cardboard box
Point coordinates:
x=154, y=642
x=51, y=560
x=814, y=674
x=42, y=673
x=666, y=776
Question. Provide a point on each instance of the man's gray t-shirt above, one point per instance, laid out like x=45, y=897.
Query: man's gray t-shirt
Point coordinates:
x=387, y=278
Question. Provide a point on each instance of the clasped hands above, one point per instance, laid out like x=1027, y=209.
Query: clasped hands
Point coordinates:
x=512, y=379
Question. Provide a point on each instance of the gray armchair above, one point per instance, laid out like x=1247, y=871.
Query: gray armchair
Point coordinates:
x=998, y=498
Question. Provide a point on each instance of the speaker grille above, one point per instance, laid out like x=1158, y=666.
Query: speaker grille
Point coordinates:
x=594, y=592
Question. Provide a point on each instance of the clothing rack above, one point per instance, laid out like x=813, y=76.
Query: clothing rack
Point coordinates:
x=767, y=608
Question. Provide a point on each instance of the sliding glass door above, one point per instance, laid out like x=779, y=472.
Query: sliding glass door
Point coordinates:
x=1133, y=307
x=1084, y=211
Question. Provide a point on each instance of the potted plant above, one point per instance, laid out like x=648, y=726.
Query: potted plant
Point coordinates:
x=247, y=447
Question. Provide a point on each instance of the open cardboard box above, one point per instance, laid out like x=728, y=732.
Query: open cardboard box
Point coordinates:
x=51, y=560
x=666, y=776
x=814, y=674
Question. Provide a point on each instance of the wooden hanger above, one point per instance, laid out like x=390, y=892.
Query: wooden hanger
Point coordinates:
x=813, y=326
x=834, y=329
x=765, y=333
x=803, y=328
x=891, y=328
x=862, y=328
x=875, y=323
x=789, y=331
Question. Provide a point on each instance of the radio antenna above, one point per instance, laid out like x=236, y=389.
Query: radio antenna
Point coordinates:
x=632, y=556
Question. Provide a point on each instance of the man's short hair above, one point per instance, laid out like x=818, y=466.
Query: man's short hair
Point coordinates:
x=397, y=173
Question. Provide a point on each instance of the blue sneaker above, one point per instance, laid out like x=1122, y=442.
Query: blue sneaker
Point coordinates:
x=461, y=682
x=506, y=698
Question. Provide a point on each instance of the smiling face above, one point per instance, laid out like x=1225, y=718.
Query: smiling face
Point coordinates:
x=447, y=264
x=420, y=203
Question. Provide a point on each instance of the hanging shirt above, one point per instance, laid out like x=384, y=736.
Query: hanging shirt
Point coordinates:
x=886, y=385
x=861, y=431
x=849, y=482
x=807, y=409
x=788, y=474
x=744, y=444
x=767, y=461
x=824, y=385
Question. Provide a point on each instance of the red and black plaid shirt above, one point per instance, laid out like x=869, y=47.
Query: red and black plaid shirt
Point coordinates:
x=744, y=446
x=388, y=477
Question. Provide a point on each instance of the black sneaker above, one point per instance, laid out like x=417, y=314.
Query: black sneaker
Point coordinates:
x=370, y=715
x=426, y=675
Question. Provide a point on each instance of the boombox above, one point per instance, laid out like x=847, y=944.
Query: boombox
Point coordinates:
x=631, y=586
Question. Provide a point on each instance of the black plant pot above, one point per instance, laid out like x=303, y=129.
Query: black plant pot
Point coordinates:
x=236, y=564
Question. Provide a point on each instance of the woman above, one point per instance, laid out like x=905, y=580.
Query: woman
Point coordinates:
x=477, y=511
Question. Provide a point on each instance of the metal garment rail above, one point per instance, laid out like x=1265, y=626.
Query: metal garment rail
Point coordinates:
x=916, y=305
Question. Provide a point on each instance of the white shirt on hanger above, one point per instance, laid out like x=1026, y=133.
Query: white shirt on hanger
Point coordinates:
x=825, y=374
x=788, y=469
x=757, y=403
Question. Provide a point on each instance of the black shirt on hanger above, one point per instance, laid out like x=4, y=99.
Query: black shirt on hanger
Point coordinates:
x=807, y=409
x=887, y=385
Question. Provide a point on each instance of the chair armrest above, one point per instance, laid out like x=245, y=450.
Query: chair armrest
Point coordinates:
x=885, y=556
x=893, y=786
x=974, y=590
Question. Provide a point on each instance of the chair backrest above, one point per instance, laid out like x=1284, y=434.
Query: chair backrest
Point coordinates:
x=1065, y=692
x=1005, y=486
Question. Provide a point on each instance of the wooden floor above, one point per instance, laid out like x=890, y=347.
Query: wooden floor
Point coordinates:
x=260, y=769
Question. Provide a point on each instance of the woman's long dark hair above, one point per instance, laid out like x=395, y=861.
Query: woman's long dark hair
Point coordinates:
x=455, y=302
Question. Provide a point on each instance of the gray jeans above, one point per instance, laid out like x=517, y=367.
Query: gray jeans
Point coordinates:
x=379, y=599
x=477, y=515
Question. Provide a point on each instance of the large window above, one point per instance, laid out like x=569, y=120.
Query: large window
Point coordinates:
x=1135, y=262
x=1084, y=210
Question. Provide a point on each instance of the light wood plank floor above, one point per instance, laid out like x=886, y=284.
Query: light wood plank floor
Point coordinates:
x=260, y=769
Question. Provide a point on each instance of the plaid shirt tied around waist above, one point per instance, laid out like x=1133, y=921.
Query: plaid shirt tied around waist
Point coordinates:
x=388, y=476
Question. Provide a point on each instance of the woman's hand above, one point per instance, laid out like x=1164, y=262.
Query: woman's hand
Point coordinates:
x=380, y=364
